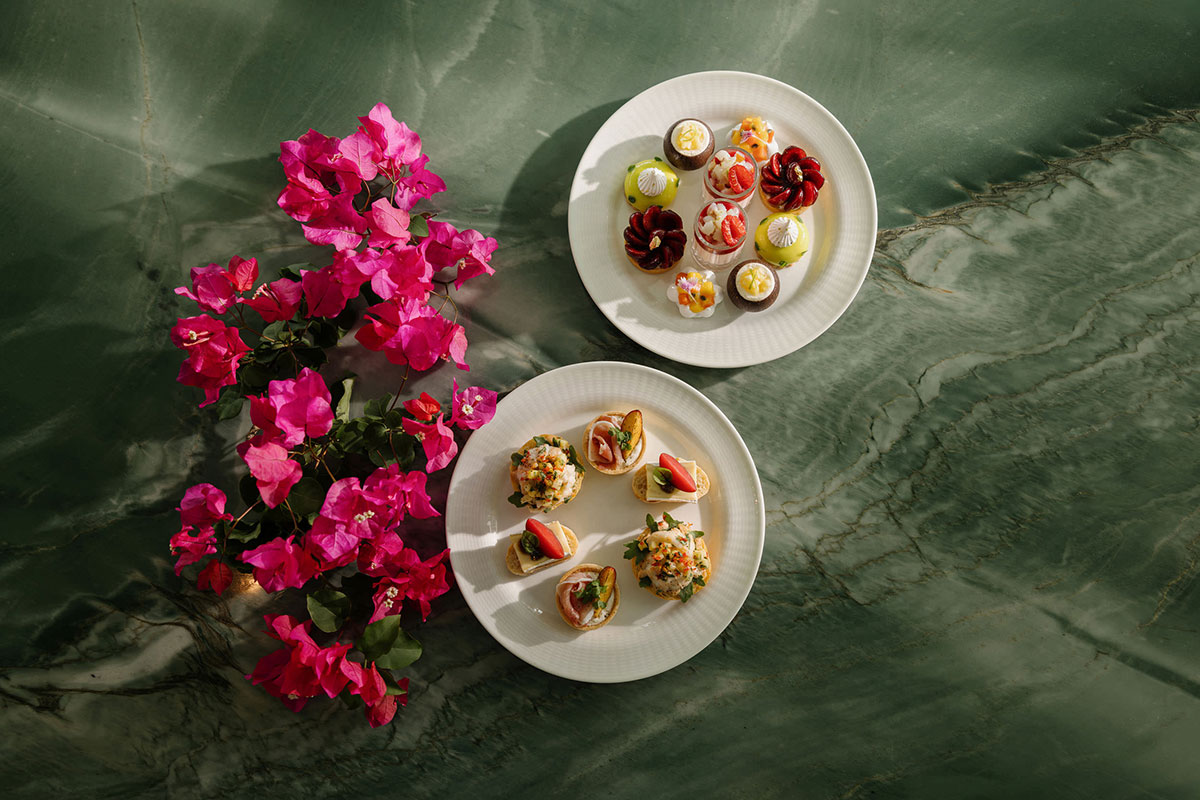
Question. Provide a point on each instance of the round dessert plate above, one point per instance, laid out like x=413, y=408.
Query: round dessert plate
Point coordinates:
x=813, y=293
x=648, y=635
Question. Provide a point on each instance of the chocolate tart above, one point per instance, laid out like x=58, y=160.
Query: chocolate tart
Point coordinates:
x=654, y=239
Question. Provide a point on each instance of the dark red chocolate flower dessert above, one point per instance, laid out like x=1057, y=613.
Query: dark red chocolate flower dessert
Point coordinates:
x=790, y=180
x=655, y=239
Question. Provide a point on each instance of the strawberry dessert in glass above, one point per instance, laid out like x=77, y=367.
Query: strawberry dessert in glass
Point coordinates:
x=731, y=174
x=719, y=234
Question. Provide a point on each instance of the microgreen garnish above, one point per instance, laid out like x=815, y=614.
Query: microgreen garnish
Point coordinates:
x=662, y=477
x=635, y=551
x=531, y=545
x=590, y=593
x=625, y=440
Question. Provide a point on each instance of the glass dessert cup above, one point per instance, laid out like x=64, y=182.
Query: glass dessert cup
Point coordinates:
x=716, y=245
x=717, y=184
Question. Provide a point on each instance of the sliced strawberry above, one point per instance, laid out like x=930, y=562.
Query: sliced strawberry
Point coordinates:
x=679, y=476
x=740, y=178
x=732, y=229
x=546, y=539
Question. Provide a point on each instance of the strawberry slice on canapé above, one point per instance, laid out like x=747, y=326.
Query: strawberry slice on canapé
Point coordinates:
x=547, y=541
x=679, y=476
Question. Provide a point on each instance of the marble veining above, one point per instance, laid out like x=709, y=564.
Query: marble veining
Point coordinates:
x=983, y=538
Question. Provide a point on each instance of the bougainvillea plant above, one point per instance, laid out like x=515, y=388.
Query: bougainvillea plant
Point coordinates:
x=327, y=495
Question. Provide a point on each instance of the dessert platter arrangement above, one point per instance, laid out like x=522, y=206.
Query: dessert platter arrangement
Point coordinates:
x=722, y=219
x=607, y=524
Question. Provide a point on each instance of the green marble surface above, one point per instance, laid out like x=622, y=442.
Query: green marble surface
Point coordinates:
x=982, y=543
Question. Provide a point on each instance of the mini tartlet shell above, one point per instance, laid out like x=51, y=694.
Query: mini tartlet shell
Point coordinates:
x=615, y=599
x=639, y=448
x=565, y=446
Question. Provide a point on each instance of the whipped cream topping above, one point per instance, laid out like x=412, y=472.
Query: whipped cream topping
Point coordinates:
x=783, y=231
x=755, y=283
x=690, y=137
x=652, y=182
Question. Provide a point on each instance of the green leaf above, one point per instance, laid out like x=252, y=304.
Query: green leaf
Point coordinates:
x=376, y=434
x=229, y=405
x=515, y=499
x=311, y=356
x=274, y=330
x=633, y=551
x=394, y=418
x=404, y=447
x=325, y=333
x=393, y=686
x=645, y=582
x=328, y=609
x=306, y=496
x=377, y=407
x=292, y=271
x=697, y=534
x=515, y=458
x=650, y=523
x=686, y=592
x=341, y=399
x=254, y=377
x=379, y=458
x=243, y=532
x=667, y=518
x=388, y=645
x=418, y=226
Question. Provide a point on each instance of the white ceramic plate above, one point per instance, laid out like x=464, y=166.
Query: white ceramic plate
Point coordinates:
x=813, y=293
x=648, y=635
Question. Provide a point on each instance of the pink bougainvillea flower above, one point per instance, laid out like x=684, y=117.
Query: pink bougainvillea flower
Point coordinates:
x=280, y=564
x=213, y=350
x=473, y=407
x=293, y=673
x=325, y=293
x=276, y=300
x=310, y=164
x=372, y=689
x=401, y=492
x=395, y=141
x=379, y=557
x=406, y=275
x=331, y=543
x=389, y=225
x=216, y=576
x=214, y=288
x=418, y=184
x=273, y=471
x=410, y=578
x=339, y=225
x=360, y=154
x=191, y=548
x=202, y=506
x=302, y=407
x=436, y=440
x=382, y=711
x=469, y=251
x=211, y=289
x=242, y=273
x=410, y=332
x=423, y=408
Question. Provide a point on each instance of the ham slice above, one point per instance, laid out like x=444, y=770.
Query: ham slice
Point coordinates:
x=576, y=612
x=603, y=450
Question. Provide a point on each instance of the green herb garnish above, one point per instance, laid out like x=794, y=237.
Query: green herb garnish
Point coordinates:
x=662, y=477
x=645, y=582
x=667, y=518
x=650, y=523
x=624, y=441
x=590, y=593
x=686, y=592
x=531, y=545
x=635, y=551
x=516, y=459
x=515, y=499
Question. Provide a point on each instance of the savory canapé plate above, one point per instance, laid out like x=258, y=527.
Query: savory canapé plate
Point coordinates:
x=813, y=293
x=648, y=635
